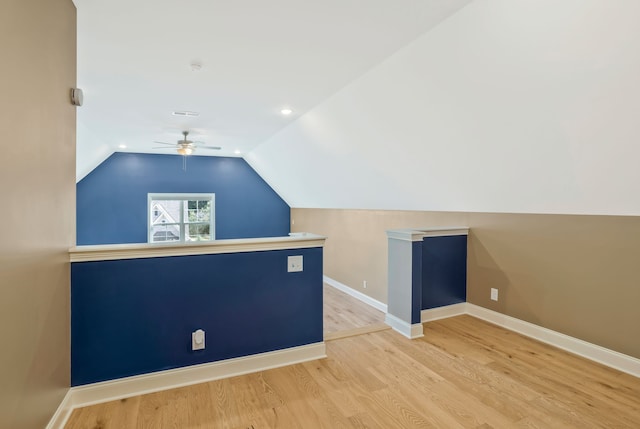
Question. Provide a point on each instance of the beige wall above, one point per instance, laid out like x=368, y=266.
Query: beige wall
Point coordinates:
x=37, y=212
x=579, y=275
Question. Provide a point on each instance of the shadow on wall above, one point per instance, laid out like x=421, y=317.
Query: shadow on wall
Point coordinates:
x=112, y=199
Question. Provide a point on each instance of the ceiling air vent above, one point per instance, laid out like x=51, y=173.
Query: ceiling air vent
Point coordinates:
x=185, y=113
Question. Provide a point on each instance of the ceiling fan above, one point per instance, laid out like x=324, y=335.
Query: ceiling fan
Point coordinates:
x=186, y=147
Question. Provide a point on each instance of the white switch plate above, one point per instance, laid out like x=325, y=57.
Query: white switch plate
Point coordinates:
x=197, y=340
x=494, y=294
x=294, y=264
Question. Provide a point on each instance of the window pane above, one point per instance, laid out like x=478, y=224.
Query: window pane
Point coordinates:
x=165, y=211
x=198, y=211
x=198, y=232
x=165, y=232
x=178, y=217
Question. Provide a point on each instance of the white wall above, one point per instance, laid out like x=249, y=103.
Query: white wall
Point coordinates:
x=508, y=106
x=91, y=153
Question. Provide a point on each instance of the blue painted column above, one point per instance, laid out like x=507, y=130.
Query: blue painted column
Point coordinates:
x=444, y=271
x=427, y=269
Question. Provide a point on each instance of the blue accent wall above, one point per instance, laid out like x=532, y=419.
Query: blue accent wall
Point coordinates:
x=111, y=201
x=444, y=271
x=136, y=316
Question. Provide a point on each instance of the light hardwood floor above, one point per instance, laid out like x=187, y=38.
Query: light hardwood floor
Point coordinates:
x=465, y=373
x=343, y=312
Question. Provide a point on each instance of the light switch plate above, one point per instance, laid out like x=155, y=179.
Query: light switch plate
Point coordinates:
x=294, y=264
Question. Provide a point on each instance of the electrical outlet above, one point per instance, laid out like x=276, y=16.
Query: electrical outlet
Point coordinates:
x=294, y=264
x=494, y=294
x=364, y=284
x=197, y=340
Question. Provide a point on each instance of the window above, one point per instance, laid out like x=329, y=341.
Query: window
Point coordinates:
x=181, y=217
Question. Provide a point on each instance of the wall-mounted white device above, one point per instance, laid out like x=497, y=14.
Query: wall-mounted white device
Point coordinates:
x=197, y=340
x=294, y=264
x=76, y=96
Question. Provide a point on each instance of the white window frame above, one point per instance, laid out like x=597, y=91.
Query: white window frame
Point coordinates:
x=181, y=223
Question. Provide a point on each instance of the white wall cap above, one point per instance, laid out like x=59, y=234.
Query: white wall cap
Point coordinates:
x=417, y=234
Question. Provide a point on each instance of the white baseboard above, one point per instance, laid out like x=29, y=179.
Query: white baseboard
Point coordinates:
x=82, y=396
x=443, y=312
x=596, y=353
x=111, y=390
x=590, y=351
x=354, y=293
x=62, y=414
x=411, y=331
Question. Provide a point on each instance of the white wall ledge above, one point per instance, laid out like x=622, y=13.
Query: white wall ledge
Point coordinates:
x=110, y=252
x=417, y=234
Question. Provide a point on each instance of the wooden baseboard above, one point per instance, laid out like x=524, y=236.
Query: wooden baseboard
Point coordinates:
x=590, y=351
x=596, y=353
x=82, y=396
x=102, y=392
x=354, y=293
x=443, y=312
x=411, y=331
x=62, y=414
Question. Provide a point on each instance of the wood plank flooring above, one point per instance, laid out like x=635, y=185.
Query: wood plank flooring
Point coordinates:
x=465, y=373
x=343, y=312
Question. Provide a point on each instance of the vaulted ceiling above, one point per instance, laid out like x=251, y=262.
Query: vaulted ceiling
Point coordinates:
x=235, y=63
x=451, y=105
x=506, y=106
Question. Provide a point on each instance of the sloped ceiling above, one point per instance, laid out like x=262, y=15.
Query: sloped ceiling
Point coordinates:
x=528, y=106
x=137, y=63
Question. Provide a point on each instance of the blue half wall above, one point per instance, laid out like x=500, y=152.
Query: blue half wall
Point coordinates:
x=112, y=199
x=135, y=316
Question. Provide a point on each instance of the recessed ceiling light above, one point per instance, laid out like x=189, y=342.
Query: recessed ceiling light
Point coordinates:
x=184, y=113
x=286, y=111
x=237, y=152
x=122, y=146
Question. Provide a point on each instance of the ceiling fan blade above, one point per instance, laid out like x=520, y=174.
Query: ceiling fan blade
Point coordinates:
x=170, y=144
x=209, y=147
x=161, y=147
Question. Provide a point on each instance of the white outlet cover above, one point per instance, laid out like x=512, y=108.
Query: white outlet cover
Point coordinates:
x=294, y=264
x=494, y=294
x=197, y=340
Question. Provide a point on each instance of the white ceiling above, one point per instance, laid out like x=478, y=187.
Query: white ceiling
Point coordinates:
x=257, y=56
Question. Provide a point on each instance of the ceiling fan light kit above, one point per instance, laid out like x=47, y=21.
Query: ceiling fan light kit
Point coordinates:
x=187, y=147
